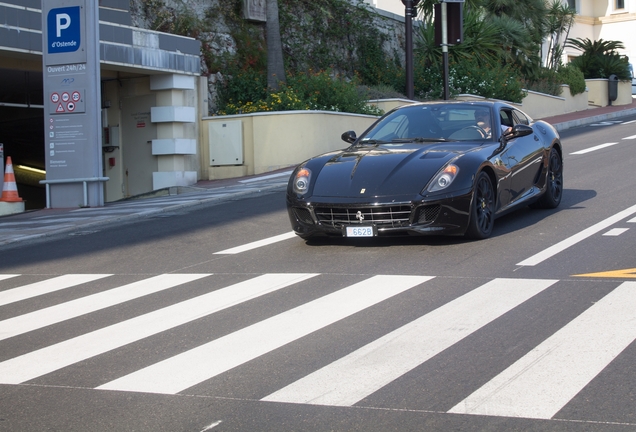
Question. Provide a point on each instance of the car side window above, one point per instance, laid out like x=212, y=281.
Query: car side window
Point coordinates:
x=520, y=117
x=506, y=118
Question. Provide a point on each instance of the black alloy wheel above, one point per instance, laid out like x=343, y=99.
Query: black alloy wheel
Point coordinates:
x=551, y=198
x=482, y=212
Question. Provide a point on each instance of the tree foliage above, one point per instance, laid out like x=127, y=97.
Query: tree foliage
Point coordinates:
x=600, y=59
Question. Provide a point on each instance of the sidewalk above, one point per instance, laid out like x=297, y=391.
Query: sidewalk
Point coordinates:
x=77, y=221
x=582, y=118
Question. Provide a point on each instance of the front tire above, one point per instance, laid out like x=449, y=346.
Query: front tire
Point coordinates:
x=551, y=198
x=482, y=208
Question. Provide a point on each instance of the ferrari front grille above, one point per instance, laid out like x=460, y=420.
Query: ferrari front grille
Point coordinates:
x=381, y=216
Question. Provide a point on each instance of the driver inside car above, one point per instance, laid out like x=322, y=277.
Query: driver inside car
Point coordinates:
x=482, y=117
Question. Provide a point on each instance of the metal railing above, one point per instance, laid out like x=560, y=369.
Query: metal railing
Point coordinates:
x=84, y=181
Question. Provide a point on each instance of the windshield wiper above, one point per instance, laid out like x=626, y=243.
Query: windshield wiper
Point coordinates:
x=373, y=141
x=420, y=139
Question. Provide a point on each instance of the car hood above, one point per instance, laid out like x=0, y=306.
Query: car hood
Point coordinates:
x=387, y=170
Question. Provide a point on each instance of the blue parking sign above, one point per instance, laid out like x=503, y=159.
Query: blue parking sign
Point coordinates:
x=63, y=30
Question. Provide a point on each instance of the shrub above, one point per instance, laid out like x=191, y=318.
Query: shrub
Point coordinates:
x=311, y=91
x=600, y=59
x=241, y=86
x=466, y=77
x=572, y=76
x=545, y=81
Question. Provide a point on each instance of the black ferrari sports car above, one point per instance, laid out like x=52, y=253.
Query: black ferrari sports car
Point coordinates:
x=438, y=168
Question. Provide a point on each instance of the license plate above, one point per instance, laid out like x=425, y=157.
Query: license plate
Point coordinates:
x=359, y=231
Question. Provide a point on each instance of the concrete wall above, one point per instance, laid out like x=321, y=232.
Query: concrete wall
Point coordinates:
x=539, y=105
x=270, y=141
x=598, y=92
x=281, y=139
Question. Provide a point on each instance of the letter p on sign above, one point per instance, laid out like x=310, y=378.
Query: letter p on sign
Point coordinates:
x=62, y=22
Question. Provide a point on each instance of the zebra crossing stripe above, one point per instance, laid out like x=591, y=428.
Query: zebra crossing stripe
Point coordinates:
x=58, y=313
x=257, y=244
x=37, y=363
x=185, y=370
x=46, y=286
x=366, y=370
x=542, y=382
x=7, y=276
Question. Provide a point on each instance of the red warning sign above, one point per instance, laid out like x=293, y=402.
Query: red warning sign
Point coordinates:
x=60, y=108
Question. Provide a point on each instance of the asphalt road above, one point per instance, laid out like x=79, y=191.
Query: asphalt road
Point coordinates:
x=216, y=318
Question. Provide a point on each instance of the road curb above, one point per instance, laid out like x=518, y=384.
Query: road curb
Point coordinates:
x=139, y=215
x=594, y=119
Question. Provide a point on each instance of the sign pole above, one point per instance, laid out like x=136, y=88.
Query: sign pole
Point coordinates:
x=445, y=49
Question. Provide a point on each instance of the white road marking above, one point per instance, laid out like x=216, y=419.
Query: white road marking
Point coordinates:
x=109, y=211
x=542, y=382
x=366, y=370
x=591, y=149
x=58, y=313
x=576, y=238
x=37, y=363
x=8, y=276
x=615, y=232
x=185, y=370
x=630, y=137
x=46, y=286
x=257, y=244
x=267, y=177
x=43, y=221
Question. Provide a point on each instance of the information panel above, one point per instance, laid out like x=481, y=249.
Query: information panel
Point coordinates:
x=72, y=100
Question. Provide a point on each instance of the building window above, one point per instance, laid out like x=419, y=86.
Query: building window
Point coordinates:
x=620, y=4
x=572, y=4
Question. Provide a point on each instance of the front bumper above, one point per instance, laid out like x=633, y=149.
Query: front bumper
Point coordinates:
x=322, y=217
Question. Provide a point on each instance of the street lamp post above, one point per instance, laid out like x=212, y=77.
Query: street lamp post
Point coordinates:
x=410, y=12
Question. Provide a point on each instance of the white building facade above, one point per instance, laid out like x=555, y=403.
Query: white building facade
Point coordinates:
x=613, y=20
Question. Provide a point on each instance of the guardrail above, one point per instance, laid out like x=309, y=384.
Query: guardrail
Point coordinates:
x=84, y=181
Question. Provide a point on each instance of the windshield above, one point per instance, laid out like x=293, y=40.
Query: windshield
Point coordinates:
x=433, y=123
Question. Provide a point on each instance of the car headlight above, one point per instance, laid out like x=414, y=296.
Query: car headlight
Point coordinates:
x=444, y=178
x=301, y=181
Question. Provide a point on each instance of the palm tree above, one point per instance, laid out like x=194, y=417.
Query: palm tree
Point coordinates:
x=600, y=59
x=560, y=21
x=275, y=65
x=482, y=43
x=521, y=27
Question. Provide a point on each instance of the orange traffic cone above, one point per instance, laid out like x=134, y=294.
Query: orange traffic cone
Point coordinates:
x=10, y=189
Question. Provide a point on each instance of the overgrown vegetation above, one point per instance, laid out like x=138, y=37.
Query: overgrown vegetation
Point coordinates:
x=324, y=66
x=322, y=90
x=338, y=54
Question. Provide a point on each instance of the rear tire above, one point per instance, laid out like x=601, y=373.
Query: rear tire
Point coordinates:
x=551, y=198
x=482, y=208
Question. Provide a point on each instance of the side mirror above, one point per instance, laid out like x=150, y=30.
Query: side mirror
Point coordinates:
x=349, y=136
x=517, y=131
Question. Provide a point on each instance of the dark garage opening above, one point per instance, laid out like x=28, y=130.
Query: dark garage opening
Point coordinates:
x=22, y=132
